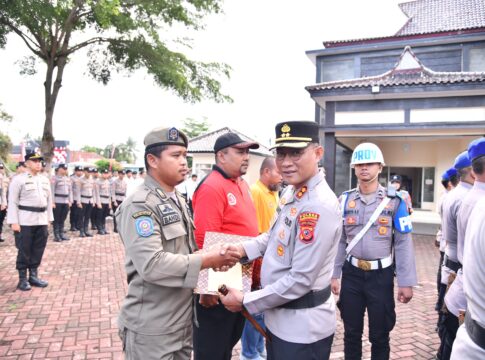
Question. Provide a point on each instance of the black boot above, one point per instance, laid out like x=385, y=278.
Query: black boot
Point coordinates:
x=62, y=234
x=81, y=233
x=23, y=284
x=86, y=232
x=35, y=281
x=104, y=229
x=57, y=237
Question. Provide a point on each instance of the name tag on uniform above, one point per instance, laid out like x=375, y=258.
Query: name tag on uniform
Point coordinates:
x=170, y=219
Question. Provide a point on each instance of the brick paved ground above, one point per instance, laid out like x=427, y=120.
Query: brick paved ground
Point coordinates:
x=75, y=316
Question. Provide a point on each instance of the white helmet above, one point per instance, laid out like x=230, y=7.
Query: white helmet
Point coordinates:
x=366, y=153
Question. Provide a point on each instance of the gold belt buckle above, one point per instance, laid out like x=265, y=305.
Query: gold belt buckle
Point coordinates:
x=364, y=265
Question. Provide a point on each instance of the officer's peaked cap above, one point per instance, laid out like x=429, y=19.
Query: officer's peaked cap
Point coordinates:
x=33, y=156
x=476, y=149
x=165, y=136
x=296, y=134
x=462, y=161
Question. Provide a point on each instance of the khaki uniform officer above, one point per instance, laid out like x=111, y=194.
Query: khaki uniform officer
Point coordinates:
x=103, y=201
x=62, y=193
x=161, y=264
x=299, y=253
x=376, y=222
x=118, y=193
x=29, y=213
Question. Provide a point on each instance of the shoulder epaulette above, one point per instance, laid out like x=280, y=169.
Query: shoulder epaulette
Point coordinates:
x=350, y=191
x=141, y=196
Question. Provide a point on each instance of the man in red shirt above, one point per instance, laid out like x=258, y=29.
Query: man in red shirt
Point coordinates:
x=222, y=203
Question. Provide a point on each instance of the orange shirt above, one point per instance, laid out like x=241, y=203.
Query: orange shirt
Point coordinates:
x=265, y=201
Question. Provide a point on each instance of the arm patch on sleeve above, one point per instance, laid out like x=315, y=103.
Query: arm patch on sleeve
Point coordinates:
x=402, y=220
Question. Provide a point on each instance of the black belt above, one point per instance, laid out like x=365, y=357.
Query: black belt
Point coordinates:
x=452, y=265
x=104, y=196
x=87, y=197
x=475, y=331
x=309, y=300
x=120, y=194
x=61, y=195
x=32, y=208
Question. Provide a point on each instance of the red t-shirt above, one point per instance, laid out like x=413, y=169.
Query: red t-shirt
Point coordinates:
x=223, y=205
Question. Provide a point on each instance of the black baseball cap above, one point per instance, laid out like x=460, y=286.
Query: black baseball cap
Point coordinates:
x=233, y=140
x=62, y=166
x=78, y=168
x=396, y=178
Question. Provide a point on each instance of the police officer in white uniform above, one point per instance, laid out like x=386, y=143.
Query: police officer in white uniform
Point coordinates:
x=448, y=318
x=449, y=180
x=118, y=194
x=76, y=210
x=29, y=213
x=63, y=198
x=456, y=301
x=470, y=338
x=299, y=253
x=376, y=225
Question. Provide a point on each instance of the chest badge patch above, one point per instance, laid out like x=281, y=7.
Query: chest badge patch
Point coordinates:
x=231, y=199
x=283, y=201
x=382, y=230
x=280, y=250
x=307, y=222
x=383, y=220
x=281, y=234
x=293, y=211
x=144, y=226
x=301, y=192
x=351, y=204
x=351, y=220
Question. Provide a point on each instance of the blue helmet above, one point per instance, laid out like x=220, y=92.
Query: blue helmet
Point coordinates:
x=449, y=173
x=476, y=149
x=462, y=161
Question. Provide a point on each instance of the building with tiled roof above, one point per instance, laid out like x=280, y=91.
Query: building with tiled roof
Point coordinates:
x=201, y=149
x=419, y=95
x=427, y=19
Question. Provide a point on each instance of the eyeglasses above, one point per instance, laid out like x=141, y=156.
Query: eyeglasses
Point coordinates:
x=293, y=154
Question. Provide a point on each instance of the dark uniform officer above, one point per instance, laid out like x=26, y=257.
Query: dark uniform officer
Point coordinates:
x=376, y=221
x=87, y=199
x=118, y=193
x=396, y=181
x=161, y=264
x=62, y=194
x=299, y=253
x=103, y=201
x=75, y=212
x=29, y=213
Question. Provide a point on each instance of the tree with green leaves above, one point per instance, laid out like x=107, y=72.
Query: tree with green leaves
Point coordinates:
x=193, y=128
x=5, y=142
x=119, y=35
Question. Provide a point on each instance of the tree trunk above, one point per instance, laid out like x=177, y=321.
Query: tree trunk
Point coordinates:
x=51, y=93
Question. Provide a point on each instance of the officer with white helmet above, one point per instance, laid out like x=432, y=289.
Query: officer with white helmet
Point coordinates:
x=376, y=224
